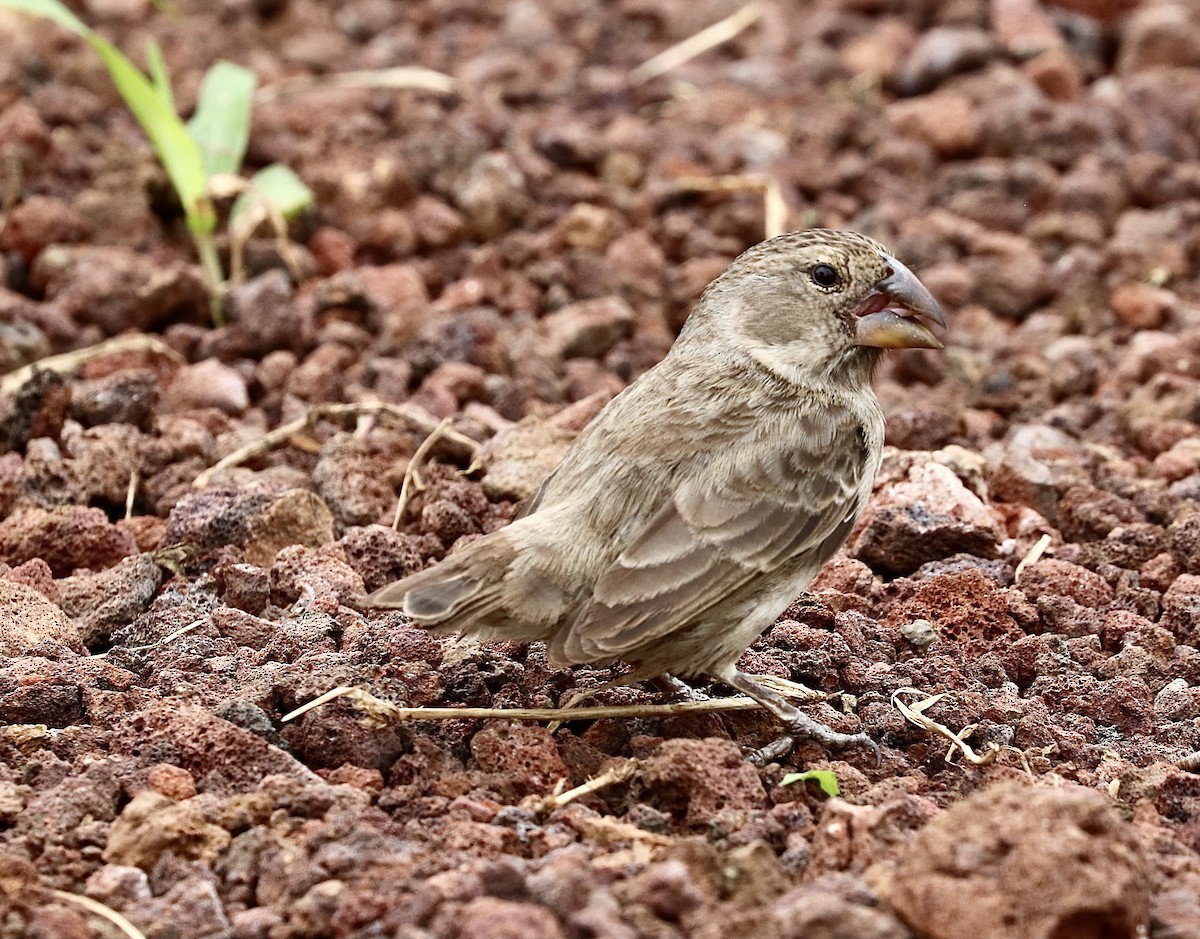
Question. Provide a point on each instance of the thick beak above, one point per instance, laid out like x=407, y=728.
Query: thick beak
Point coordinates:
x=898, y=313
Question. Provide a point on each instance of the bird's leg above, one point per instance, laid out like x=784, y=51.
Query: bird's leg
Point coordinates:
x=586, y=694
x=795, y=722
x=675, y=690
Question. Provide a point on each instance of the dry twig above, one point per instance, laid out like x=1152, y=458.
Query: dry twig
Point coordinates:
x=402, y=412
x=403, y=77
x=246, y=223
x=792, y=690
x=99, y=909
x=69, y=361
x=609, y=777
x=1034, y=555
x=915, y=713
x=131, y=492
x=170, y=637
x=384, y=713
x=411, y=478
x=716, y=34
x=775, y=210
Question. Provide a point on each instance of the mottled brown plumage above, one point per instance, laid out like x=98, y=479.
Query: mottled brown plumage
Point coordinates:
x=703, y=499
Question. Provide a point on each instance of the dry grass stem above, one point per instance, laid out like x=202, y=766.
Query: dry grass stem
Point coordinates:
x=1034, y=555
x=915, y=713
x=384, y=712
x=708, y=38
x=246, y=224
x=99, y=909
x=403, y=77
x=775, y=210
x=412, y=479
x=135, y=479
x=605, y=830
x=402, y=412
x=169, y=638
x=69, y=361
x=792, y=690
x=10, y=186
x=609, y=777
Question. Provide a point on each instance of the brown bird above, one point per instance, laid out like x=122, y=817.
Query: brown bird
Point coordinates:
x=704, y=498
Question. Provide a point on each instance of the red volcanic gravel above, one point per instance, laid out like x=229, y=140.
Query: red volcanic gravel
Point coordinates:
x=511, y=254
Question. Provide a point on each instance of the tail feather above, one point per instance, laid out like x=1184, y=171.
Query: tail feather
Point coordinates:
x=464, y=593
x=482, y=591
x=428, y=596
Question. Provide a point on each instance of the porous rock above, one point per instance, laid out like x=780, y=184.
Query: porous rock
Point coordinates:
x=1017, y=861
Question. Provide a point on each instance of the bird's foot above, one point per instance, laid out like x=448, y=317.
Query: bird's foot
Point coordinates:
x=795, y=722
x=678, y=691
x=804, y=726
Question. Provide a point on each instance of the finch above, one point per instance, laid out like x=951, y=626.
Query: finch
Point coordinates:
x=706, y=496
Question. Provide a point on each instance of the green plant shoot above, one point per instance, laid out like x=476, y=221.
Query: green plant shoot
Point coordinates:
x=212, y=143
x=825, y=780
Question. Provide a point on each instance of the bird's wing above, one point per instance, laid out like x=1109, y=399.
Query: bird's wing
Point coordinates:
x=746, y=511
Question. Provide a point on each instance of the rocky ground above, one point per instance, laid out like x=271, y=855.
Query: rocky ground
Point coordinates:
x=511, y=254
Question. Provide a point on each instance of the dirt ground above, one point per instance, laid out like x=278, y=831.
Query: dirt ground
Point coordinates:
x=511, y=254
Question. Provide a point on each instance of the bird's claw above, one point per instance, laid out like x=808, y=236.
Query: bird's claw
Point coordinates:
x=782, y=746
x=777, y=749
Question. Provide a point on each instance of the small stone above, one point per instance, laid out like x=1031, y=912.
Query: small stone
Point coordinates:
x=1056, y=72
x=696, y=779
x=152, y=825
x=128, y=396
x=968, y=872
x=266, y=312
x=259, y=520
x=104, y=602
x=1177, y=701
x=941, y=52
x=118, y=289
x=587, y=226
x=947, y=121
x=588, y=328
x=1051, y=577
x=1141, y=306
x=927, y=515
x=172, y=781
x=27, y=618
x=881, y=51
x=1158, y=36
x=1037, y=464
x=207, y=384
x=1023, y=27
x=38, y=221
x=504, y=919
x=920, y=632
x=36, y=573
x=65, y=537
x=436, y=224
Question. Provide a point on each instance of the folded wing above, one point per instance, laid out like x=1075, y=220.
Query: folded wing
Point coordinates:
x=747, y=510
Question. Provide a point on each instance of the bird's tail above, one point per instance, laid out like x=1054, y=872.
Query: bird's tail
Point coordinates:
x=464, y=593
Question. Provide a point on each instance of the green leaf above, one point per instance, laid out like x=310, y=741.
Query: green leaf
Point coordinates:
x=52, y=10
x=179, y=154
x=824, y=778
x=176, y=150
x=279, y=187
x=221, y=124
x=159, y=76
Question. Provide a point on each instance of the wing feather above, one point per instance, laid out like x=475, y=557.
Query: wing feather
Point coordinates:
x=724, y=526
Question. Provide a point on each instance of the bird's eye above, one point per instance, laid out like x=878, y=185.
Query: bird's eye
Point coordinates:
x=824, y=275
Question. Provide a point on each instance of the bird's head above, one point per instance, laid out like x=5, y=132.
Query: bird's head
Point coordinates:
x=820, y=302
